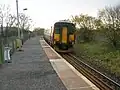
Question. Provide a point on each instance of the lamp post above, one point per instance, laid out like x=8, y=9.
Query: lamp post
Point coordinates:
x=19, y=35
x=18, y=19
x=22, y=35
x=19, y=48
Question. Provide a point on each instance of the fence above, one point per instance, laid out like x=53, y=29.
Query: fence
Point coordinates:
x=10, y=41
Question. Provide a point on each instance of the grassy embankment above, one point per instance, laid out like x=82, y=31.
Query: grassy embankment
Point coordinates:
x=100, y=56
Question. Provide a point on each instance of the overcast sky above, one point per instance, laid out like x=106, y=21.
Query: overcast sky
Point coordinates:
x=45, y=12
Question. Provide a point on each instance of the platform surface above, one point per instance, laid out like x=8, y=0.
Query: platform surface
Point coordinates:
x=30, y=70
x=70, y=77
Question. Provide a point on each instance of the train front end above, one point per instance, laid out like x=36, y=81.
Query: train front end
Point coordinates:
x=64, y=36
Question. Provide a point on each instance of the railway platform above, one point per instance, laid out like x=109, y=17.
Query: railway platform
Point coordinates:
x=39, y=67
x=30, y=70
x=70, y=77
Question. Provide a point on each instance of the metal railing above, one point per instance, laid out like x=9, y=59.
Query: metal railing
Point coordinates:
x=7, y=40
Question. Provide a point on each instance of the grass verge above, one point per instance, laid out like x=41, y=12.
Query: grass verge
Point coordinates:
x=101, y=56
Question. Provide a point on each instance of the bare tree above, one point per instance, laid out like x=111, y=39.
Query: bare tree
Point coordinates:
x=11, y=20
x=4, y=13
x=24, y=21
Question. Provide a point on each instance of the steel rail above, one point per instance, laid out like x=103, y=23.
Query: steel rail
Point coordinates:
x=92, y=74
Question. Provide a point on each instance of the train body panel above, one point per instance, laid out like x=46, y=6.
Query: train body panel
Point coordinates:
x=62, y=36
x=47, y=36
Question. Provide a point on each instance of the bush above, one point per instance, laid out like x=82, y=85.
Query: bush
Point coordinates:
x=101, y=55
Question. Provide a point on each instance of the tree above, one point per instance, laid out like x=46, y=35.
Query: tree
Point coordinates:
x=110, y=17
x=4, y=10
x=24, y=25
x=10, y=22
x=86, y=25
x=98, y=24
x=6, y=18
x=24, y=21
x=39, y=31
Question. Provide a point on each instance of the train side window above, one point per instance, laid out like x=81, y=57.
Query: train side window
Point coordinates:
x=72, y=29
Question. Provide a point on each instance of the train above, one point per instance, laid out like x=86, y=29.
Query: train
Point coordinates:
x=61, y=36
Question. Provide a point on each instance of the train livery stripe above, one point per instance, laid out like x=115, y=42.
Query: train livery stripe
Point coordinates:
x=64, y=35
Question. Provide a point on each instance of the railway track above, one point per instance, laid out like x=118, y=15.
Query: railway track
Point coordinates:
x=100, y=80
x=96, y=77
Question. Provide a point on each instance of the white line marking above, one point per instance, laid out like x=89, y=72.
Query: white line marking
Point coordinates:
x=81, y=87
x=45, y=46
x=55, y=60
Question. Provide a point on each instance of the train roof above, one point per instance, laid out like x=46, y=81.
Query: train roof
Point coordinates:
x=63, y=21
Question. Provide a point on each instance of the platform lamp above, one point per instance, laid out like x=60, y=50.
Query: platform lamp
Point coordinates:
x=22, y=35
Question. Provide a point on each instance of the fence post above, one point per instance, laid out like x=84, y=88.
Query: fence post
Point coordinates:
x=1, y=53
x=1, y=46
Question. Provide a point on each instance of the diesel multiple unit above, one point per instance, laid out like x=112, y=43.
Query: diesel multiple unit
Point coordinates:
x=62, y=36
